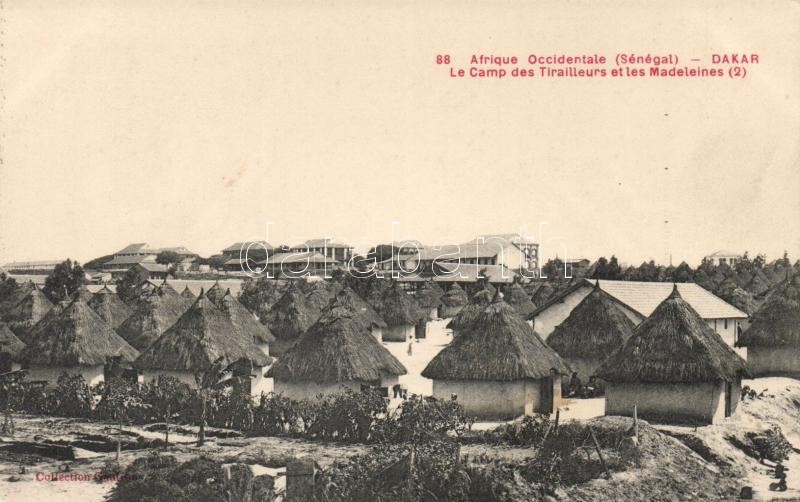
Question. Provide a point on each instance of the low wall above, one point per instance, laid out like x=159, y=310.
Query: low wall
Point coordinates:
x=91, y=374
x=402, y=333
x=774, y=361
x=494, y=400
x=699, y=402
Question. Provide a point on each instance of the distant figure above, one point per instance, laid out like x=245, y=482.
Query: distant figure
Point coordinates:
x=574, y=383
x=396, y=390
x=410, y=348
x=404, y=392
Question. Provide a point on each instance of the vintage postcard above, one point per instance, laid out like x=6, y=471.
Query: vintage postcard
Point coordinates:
x=416, y=251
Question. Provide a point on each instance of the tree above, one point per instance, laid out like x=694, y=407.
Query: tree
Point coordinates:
x=64, y=281
x=217, y=261
x=8, y=288
x=683, y=273
x=206, y=381
x=121, y=398
x=128, y=286
x=168, y=258
x=614, y=271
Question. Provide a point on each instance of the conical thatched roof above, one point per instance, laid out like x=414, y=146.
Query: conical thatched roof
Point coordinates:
x=243, y=320
x=543, y=293
x=187, y=294
x=515, y=296
x=200, y=337
x=290, y=317
x=595, y=328
x=109, y=307
x=777, y=322
x=399, y=308
x=337, y=348
x=9, y=343
x=498, y=345
x=464, y=318
x=429, y=296
x=673, y=345
x=27, y=312
x=322, y=293
x=75, y=336
x=347, y=298
x=215, y=293
x=455, y=296
x=82, y=293
x=154, y=314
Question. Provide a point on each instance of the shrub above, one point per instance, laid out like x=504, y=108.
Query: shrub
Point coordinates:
x=419, y=418
x=72, y=397
x=158, y=478
x=529, y=431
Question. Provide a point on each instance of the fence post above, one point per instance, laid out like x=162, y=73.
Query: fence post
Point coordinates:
x=599, y=453
x=300, y=475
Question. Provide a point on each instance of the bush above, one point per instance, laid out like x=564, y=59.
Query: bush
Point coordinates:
x=347, y=416
x=529, y=431
x=160, y=478
x=72, y=397
x=419, y=418
x=429, y=471
x=276, y=414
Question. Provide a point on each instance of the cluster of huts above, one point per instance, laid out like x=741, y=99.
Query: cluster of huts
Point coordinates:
x=663, y=358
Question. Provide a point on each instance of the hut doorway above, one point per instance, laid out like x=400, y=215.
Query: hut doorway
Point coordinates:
x=419, y=330
x=546, y=394
x=728, y=398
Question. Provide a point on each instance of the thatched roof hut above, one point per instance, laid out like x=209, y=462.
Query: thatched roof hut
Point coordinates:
x=349, y=299
x=515, y=296
x=76, y=336
x=337, y=348
x=777, y=322
x=109, y=307
x=399, y=308
x=321, y=293
x=455, y=297
x=429, y=296
x=466, y=315
x=246, y=324
x=215, y=293
x=187, y=294
x=82, y=293
x=153, y=315
x=498, y=345
x=198, y=339
x=543, y=293
x=23, y=316
x=673, y=345
x=9, y=343
x=289, y=318
x=595, y=328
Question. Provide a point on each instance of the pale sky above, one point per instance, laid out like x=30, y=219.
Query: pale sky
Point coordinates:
x=197, y=123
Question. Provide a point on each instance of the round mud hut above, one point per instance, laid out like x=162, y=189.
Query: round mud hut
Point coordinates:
x=674, y=368
x=453, y=300
x=31, y=309
x=187, y=294
x=109, y=307
x=594, y=329
x=289, y=318
x=337, y=351
x=76, y=341
x=498, y=368
x=467, y=314
x=154, y=314
x=773, y=337
x=203, y=336
x=246, y=324
x=11, y=349
x=349, y=299
x=429, y=298
x=515, y=296
x=401, y=313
